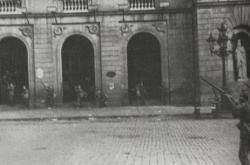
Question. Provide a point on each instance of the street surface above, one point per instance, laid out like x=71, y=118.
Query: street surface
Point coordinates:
x=132, y=141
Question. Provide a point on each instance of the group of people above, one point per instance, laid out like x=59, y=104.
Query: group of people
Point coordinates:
x=81, y=96
x=11, y=92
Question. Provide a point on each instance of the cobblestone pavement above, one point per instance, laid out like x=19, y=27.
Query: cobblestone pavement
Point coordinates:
x=145, y=141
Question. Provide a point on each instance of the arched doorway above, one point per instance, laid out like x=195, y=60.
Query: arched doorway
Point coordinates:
x=144, y=65
x=13, y=67
x=243, y=34
x=77, y=67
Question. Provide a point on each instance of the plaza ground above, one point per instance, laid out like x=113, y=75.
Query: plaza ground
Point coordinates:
x=168, y=139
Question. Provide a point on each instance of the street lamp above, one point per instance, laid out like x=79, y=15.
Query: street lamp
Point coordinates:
x=220, y=48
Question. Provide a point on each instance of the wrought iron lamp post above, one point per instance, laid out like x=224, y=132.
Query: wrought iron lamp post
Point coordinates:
x=221, y=51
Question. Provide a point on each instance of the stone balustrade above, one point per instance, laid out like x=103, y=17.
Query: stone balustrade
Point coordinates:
x=9, y=6
x=75, y=6
x=142, y=4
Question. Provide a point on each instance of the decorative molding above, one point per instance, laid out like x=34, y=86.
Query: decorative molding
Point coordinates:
x=126, y=28
x=160, y=27
x=93, y=29
x=26, y=32
x=239, y=17
x=58, y=31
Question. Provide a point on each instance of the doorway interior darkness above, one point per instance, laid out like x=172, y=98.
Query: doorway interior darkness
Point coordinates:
x=144, y=64
x=13, y=67
x=245, y=41
x=78, y=67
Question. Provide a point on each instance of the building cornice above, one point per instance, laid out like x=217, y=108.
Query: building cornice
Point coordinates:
x=220, y=4
x=100, y=13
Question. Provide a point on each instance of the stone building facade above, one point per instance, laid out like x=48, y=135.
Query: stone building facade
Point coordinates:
x=210, y=15
x=113, y=45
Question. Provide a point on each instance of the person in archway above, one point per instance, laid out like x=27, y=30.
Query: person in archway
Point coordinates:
x=80, y=95
x=101, y=98
x=164, y=93
x=242, y=111
x=240, y=54
x=140, y=93
x=26, y=96
x=87, y=86
x=11, y=93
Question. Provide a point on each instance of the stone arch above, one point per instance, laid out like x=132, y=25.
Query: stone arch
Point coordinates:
x=160, y=38
x=31, y=67
x=58, y=52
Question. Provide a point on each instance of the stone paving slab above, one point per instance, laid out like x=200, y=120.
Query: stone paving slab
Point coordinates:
x=143, y=141
x=16, y=113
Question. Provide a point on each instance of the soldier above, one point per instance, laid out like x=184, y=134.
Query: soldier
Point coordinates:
x=241, y=111
x=140, y=93
x=11, y=93
x=49, y=96
x=80, y=95
x=26, y=97
x=101, y=98
x=164, y=93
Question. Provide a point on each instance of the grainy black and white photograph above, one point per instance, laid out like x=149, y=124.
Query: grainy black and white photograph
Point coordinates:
x=124, y=82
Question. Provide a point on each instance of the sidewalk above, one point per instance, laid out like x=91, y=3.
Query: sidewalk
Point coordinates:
x=16, y=114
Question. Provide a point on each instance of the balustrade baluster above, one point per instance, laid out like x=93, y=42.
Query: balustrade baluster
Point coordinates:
x=7, y=6
x=83, y=4
x=74, y=4
x=2, y=7
x=88, y=2
x=12, y=7
x=63, y=4
x=80, y=4
x=77, y=5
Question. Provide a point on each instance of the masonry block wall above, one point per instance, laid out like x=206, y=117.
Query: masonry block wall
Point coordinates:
x=210, y=15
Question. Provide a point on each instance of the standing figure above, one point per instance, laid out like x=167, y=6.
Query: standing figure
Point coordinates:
x=101, y=98
x=140, y=92
x=240, y=54
x=11, y=93
x=80, y=95
x=241, y=111
x=26, y=97
x=164, y=93
x=49, y=96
